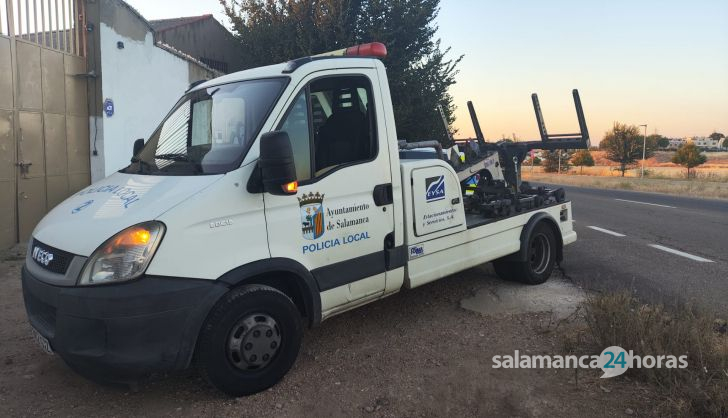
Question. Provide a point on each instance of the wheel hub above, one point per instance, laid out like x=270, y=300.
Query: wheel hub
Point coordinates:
x=253, y=342
x=540, y=253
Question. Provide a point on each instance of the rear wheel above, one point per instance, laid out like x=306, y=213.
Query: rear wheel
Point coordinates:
x=250, y=340
x=540, y=259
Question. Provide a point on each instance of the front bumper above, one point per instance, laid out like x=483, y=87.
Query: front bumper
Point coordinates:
x=119, y=333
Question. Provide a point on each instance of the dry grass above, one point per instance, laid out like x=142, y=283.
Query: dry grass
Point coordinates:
x=701, y=389
x=657, y=167
x=693, y=187
x=702, y=173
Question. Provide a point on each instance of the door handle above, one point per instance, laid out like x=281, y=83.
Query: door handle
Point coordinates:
x=383, y=194
x=24, y=167
x=455, y=201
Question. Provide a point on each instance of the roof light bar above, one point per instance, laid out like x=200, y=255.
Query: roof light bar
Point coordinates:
x=372, y=49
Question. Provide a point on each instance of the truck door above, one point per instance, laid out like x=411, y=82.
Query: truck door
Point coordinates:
x=333, y=225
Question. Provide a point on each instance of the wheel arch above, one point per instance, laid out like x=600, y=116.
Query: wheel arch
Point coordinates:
x=286, y=275
x=540, y=217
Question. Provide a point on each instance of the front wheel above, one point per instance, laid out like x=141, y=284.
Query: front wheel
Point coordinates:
x=540, y=259
x=250, y=340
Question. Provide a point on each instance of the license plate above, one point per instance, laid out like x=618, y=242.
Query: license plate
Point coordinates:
x=42, y=341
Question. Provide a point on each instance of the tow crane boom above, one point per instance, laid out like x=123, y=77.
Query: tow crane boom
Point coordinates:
x=490, y=174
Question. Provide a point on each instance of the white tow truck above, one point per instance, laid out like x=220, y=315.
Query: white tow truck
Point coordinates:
x=270, y=200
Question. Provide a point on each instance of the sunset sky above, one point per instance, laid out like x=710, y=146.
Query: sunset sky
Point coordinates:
x=659, y=62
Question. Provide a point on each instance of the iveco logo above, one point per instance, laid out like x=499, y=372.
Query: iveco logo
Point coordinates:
x=42, y=256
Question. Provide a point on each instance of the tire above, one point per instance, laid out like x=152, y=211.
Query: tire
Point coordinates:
x=250, y=340
x=504, y=269
x=540, y=259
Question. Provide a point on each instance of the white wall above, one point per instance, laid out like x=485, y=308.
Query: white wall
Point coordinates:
x=144, y=82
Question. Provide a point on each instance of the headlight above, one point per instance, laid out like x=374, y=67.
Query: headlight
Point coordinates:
x=124, y=256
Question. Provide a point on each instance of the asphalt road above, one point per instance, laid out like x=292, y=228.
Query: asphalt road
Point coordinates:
x=690, y=264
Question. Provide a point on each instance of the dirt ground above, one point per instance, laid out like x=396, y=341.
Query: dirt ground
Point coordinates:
x=417, y=353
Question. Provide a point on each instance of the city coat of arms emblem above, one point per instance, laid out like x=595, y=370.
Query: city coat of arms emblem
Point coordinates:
x=312, y=215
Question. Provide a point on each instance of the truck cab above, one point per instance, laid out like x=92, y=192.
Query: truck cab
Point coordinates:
x=265, y=202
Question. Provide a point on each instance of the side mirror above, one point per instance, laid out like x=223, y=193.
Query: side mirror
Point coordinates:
x=138, y=145
x=278, y=170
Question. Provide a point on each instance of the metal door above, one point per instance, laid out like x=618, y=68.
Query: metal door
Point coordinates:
x=31, y=181
x=44, y=138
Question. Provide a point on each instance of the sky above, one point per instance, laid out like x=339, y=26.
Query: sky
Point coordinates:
x=663, y=63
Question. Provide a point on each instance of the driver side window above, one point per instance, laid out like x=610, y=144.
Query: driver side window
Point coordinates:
x=331, y=123
x=296, y=124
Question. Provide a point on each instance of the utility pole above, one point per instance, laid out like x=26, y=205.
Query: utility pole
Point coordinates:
x=559, y=151
x=644, y=150
x=533, y=157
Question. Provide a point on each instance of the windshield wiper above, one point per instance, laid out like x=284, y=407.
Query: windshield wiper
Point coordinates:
x=174, y=157
x=184, y=158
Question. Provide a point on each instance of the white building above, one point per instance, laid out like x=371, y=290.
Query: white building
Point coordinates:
x=676, y=143
x=76, y=94
x=707, y=143
x=140, y=78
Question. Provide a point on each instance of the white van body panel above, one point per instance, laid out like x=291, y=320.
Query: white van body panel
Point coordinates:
x=434, y=189
x=205, y=240
x=354, y=225
x=440, y=252
x=423, y=218
x=81, y=223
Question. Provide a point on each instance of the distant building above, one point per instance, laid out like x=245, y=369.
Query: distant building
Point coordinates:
x=706, y=143
x=203, y=38
x=676, y=143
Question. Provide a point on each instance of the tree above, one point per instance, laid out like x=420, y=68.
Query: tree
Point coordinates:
x=551, y=162
x=689, y=156
x=623, y=144
x=532, y=161
x=659, y=140
x=583, y=158
x=419, y=72
x=716, y=136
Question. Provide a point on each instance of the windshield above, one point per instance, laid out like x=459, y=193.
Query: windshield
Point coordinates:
x=209, y=130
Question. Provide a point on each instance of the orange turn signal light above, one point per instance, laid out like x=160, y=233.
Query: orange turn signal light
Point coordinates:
x=291, y=187
x=133, y=237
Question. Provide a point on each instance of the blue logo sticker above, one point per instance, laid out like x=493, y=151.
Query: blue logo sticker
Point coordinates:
x=109, y=107
x=435, y=188
x=416, y=251
x=83, y=206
